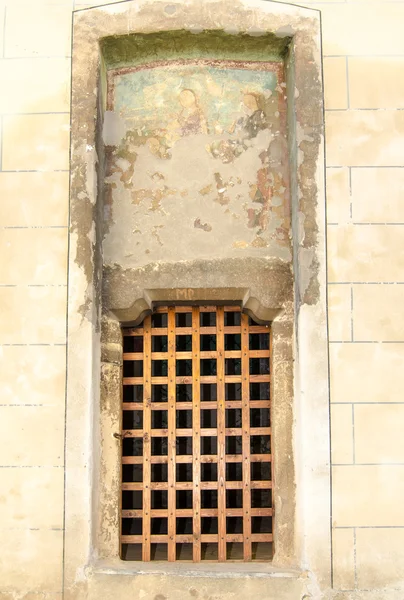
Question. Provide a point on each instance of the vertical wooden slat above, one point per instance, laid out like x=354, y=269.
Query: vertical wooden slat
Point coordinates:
x=171, y=435
x=196, y=438
x=245, y=411
x=146, y=523
x=221, y=435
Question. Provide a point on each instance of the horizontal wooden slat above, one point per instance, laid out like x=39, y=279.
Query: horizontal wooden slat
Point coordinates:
x=259, y=354
x=187, y=459
x=184, y=432
x=204, y=379
x=187, y=485
x=188, y=512
x=262, y=537
x=205, y=354
x=261, y=485
x=187, y=432
x=260, y=378
x=260, y=430
x=259, y=329
x=208, y=405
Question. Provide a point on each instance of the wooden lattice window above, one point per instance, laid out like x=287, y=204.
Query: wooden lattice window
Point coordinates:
x=196, y=460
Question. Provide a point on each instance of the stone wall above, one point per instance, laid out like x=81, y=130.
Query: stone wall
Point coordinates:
x=363, y=51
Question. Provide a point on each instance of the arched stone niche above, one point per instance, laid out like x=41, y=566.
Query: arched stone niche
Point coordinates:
x=197, y=176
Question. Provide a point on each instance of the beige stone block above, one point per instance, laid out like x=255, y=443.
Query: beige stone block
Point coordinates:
x=350, y=29
x=88, y=3
x=343, y=558
x=32, y=374
x=31, y=561
x=368, y=496
x=2, y=9
x=35, y=85
x=366, y=372
x=29, y=596
x=378, y=313
x=44, y=263
x=365, y=253
x=379, y=558
x=33, y=32
x=34, y=199
x=376, y=82
x=36, y=142
x=364, y=137
x=35, y=315
x=339, y=313
x=379, y=433
x=31, y=436
x=341, y=434
x=42, y=3
x=338, y=195
x=31, y=498
x=378, y=195
x=335, y=82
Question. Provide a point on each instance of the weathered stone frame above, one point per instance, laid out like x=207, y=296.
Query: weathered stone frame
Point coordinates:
x=296, y=304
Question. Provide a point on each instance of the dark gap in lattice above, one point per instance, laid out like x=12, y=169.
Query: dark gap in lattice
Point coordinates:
x=208, y=366
x=260, y=417
x=159, y=368
x=184, y=525
x=234, y=471
x=133, y=368
x=133, y=344
x=208, y=419
x=183, y=392
x=183, y=368
x=232, y=341
x=208, y=343
x=132, y=473
x=232, y=366
x=131, y=500
x=209, y=525
x=159, y=419
x=183, y=343
x=159, y=320
x=183, y=499
x=183, y=320
x=233, y=391
x=183, y=472
x=259, y=341
x=233, y=417
x=132, y=447
x=208, y=392
x=208, y=445
x=132, y=419
x=159, y=343
x=159, y=526
x=209, y=472
x=133, y=393
x=208, y=319
x=183, y=419
x=159, y=393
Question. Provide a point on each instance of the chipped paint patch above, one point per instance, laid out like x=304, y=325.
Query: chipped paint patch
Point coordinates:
x=204, y=142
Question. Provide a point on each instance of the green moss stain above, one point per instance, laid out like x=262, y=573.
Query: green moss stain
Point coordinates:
x=137, y=49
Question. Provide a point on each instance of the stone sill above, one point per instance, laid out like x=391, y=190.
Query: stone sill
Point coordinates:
x=189, y=569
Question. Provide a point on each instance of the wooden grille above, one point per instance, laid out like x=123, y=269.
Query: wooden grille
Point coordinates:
x=196, y=459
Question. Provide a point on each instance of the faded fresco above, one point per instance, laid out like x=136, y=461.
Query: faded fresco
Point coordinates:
x=196, y=163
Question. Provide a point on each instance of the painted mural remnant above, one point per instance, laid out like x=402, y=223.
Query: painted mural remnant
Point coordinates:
x=202, y=157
